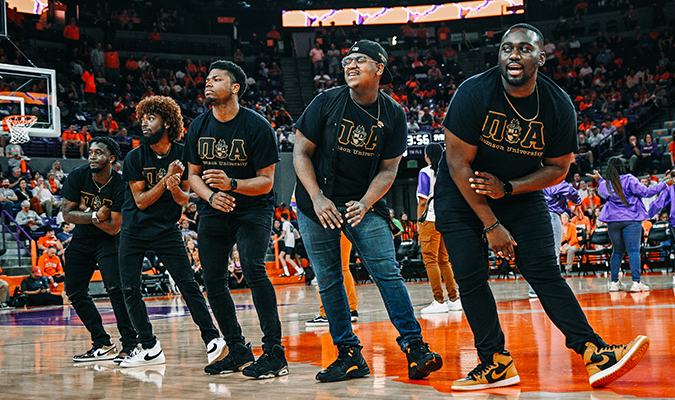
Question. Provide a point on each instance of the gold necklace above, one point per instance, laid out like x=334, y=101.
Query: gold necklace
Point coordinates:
x=536, y=88
x=380, y=124
x=106, y=184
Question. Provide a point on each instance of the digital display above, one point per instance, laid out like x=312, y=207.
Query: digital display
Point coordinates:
x=424, y=138
x=402, y=15
x=28, y=6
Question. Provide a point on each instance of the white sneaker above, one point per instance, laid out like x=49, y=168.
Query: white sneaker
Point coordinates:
x=615, y=286
x=673, y=280
x=454, y=305
x=639, y=287
x=101, y=353
x=216, y=350
x=435, y=308
x=142, y=357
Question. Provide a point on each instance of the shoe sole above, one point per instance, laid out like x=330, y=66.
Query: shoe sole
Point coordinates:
x=628, y=362
x=355, y=374
x=270, y=374
x=429, y=366
x=104, y=358
x=514, y=380
x=229, y=371
x=434, y=312
x=316, y=323
x=143, y=364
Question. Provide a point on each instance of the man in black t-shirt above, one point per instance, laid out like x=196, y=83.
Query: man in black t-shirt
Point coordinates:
x=510, y=132
x=92, y=199
x=349, y=142
x=231, y=153
x=157, y=191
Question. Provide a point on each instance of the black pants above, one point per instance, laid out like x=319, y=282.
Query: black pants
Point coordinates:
x=83, y=255
x=170, y=249
x=251, y=233
x=44, y=299
x=527, y=219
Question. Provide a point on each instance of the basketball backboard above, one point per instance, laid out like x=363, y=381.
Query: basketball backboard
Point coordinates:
x=30, y=91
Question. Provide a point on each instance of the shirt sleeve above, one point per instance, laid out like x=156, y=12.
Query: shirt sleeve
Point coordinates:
x=131, y=171
x=397, y=143
x=69, y=191
x=423, y=185
x=264, y=149
x=309, y=122
x=641, y=190
x=190, y=152
x=463, y=118
x=660, y=202
x=564, y=140
x=118, y=201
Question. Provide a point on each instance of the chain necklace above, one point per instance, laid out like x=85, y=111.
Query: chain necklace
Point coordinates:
x=106, y=184
x=536, y=88
x=160, y=156
x=380, y=124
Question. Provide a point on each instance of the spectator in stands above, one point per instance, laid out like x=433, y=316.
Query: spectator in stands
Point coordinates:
x=7, y=198
x=4, y=293
x=38, y=291
x=591, y=202
x=595, y=138
x=27, y=218
x=630, y=18
x=570, y=243
x=98, y=127
x=71, y=137
x=59, y=173
x=112, y=65
x=71, y=33
x=282, y=117
x=632, y=154
x=110, y=125
x=316, y=55
x=650, y=156
x=584, y=156
x=187, y=232
x=131, y=66
x=97, y=59
x=53, y=184
x=443, y=35
x=283, y=209
x=426, y=118
x=320, y=78
x=412, y=124
x=580, y=219
x=14, y=154
x=47, y=200
x=154, y=35
x=333, y=57
x=24, y=193
x=14, y=178
x=51, y=267
x=66, y=234
x=48, y=240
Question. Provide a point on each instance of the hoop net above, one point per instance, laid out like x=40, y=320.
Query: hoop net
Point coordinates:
x=18, y=127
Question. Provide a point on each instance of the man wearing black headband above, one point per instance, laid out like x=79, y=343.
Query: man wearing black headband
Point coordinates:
x=349, y=142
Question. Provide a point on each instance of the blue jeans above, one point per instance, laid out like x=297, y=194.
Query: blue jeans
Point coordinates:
x=373, y=241
x=556, y=224
x=625, y=236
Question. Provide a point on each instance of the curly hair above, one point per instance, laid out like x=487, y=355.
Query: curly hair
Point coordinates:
x=110, y=143
x=165, y=108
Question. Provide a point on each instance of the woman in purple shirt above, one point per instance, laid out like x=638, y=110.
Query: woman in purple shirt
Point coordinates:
x=624, y=213
x=649, y=152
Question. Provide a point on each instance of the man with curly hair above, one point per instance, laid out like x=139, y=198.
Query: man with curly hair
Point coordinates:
x=158, y=189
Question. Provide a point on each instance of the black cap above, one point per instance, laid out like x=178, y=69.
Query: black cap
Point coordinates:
x=377, y=53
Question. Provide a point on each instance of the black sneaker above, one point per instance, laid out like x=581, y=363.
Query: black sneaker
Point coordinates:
x=269, y=365
x=240, y=356
x=421, y=361
x=97, y=353
x=355, y=316
x=349, y=364
x=317, y=321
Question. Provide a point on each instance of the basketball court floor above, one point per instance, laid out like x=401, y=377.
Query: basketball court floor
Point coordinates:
x=37, y=345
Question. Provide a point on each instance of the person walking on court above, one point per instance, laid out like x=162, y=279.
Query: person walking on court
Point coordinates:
x=624, y=212
x=92, y=200
x=232, y=152
x=158, y=189
x=349, y=142
x=510, y=132
x=434, y=255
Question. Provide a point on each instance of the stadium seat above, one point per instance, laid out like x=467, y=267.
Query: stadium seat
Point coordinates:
x=597, y=252
x=660, y=132
x=669, y=125
x=659, y=245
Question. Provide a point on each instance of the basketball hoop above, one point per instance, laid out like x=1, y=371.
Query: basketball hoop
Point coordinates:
x=18, y=127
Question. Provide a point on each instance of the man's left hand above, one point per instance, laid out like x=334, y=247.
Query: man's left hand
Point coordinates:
x=487, y=184
x=355, y=212
x=172, y=181
x=218, y=179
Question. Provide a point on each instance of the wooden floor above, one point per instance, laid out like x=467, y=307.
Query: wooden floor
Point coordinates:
x=37, y=345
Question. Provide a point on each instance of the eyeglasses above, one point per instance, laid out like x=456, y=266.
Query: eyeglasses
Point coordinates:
x=360, y=60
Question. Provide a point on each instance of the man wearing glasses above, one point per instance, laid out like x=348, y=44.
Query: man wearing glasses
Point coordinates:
x=349, y=142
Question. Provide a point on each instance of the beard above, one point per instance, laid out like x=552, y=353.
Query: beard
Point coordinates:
x=153, y=137
x=96, y=170
x=516, y=81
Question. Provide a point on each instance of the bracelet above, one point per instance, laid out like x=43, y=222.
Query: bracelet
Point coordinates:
x=211, y=198
x=165, y=186
x=486, y=230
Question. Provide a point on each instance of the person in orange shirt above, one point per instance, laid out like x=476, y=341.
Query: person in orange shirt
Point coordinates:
x=89, y=88
x=591, y=202
x=620, y=121
x=110, y=125
x=71, y=137
x=112, y=65
x=72, y=35
x=570, y=242
x=581, y=220
x=49, y=240
x=50, y=264
x=443, y=35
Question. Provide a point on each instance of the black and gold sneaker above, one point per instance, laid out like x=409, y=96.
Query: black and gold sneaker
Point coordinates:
x=97, y=353
x=349, y=364
x=421, y=360
x=500, y=372
x=609, y=363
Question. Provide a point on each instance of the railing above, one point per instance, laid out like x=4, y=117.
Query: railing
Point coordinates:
x=297, y=73
x=16, y=235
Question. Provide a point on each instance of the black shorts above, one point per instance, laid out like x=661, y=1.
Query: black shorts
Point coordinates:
x=288, y=250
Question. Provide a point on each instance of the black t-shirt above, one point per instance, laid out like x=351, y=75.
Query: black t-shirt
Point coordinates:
x=507, y=146
x=32, y=284
x=240, y=147
x=356, y=145
x=142, y=164
x=80, y=185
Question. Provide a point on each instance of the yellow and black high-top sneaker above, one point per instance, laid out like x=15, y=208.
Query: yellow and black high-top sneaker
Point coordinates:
x=349, y=365
x=500, y=372
x=421, y=360
x=609, y=363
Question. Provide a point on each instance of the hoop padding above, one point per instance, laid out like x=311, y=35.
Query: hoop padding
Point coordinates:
x=18, y=127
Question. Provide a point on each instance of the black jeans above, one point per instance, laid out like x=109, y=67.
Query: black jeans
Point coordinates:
x=527, y=218
x=251, y=233
x=170, y=249
x=44, y=299
x=83, y=255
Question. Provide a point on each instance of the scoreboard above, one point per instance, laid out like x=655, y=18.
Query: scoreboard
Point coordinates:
x=417, y=141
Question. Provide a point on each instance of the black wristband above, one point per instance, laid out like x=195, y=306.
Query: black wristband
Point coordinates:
x=508, y=188
x=494, y=226
x=211, y=198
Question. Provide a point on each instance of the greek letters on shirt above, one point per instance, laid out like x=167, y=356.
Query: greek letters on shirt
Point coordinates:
x=218, y=152
x=355, y=139
x=514, y=136
x=94, y=201
x=153, y=176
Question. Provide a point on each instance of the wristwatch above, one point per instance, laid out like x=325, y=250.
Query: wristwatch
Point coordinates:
x=233, y=184
x=94, y=217
x=508, y=188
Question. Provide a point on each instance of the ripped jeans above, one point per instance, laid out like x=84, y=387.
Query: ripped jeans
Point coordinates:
x=83, y=255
